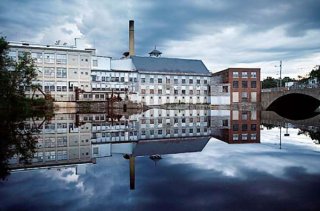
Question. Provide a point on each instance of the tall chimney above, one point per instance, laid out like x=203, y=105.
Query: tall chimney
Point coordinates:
x=131, y=38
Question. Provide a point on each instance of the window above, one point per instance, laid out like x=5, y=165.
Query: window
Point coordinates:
x=198, y=81
x=235, y=115
x=151, y=91
x=143, y=80
x=225, y=88
x=244, y=136
x=183, y=92
x=159, y=91
x=190, y=81
x=151, y=80
x=225, y=123
x=61, y=59
x=191, y=92
x=205, y=81
x=253, y=127
x=168, y=80
x=159, y=80
x=253, y=74
x=143, y=91
x=175, y=92
x=13, y=55
x=61, y=72
x=235, y=127
x=205, y=92
x=37, y=57
x=183, y=81
x=235, y=84
x=244, y=127
x=244, y=84
x=253, y=84
x=49, y=58
x=244, y=74
x=244, y=96
x=244, y=115
x=235, y=137
x=48, y=71
x=253, y=136
x=175, y=81
x=95, y=63
x=235, y=74
x=198, y=93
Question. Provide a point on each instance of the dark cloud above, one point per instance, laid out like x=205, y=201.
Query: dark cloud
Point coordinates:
x=188, y=29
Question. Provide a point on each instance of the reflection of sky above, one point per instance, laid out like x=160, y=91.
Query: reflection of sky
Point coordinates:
x=222, y=176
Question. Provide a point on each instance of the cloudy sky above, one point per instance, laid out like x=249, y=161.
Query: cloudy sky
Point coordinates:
x=246, y=33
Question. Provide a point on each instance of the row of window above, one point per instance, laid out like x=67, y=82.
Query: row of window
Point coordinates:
x=175, y=81
x=175, y=91
x=198, y=98
x=244, y=137
x=244, y=84
x=176, y=120
x=174, y=131
x=48, y=58
x=236, y=74
x=244, y=127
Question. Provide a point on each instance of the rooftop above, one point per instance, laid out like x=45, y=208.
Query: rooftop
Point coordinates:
x=169, y=65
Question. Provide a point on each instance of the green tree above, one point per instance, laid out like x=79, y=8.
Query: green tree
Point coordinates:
x=270, y=82
x=315, y=73
x=14, y=76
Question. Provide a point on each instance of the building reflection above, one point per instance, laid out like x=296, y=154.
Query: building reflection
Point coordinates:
x=74, y=139
x=236, y=126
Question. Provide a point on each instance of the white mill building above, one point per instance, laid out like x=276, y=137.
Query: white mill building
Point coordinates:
x=153, y=80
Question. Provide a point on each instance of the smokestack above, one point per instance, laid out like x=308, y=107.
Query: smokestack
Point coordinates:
x=131, y=38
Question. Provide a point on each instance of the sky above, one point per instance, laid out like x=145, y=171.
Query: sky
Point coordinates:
x=235, y=33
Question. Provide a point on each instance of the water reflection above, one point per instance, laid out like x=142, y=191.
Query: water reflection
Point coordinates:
x=178, y=159
x=71, y=139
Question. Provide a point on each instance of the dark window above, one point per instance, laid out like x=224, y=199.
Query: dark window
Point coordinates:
x=235, y=84
x=235, y=127
x=244, y=84
x=253, y=127
x=253, y=84
x=225, y=88
x=244, y=127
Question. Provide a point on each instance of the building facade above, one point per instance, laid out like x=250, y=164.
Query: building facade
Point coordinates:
x=60, y=69
x=70, y=74
x=236, y=86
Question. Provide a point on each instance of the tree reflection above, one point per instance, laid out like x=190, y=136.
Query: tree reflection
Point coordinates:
x=17, y=141
x=314, y=134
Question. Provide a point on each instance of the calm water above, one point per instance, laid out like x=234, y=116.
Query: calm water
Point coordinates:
x=175, y=160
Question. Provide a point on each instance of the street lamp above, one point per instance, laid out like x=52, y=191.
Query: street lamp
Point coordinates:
x=280, y=80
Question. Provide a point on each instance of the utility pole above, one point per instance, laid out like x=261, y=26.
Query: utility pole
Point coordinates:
x=280, y=74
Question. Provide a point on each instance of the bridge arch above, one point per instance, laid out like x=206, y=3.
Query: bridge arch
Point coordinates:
x=298, y=98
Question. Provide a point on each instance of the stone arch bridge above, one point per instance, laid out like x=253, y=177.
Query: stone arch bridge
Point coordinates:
x=291, y=96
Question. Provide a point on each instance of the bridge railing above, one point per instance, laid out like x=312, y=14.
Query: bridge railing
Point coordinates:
x=294, y=87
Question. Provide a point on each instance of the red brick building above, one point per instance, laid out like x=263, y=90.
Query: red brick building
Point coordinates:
x=236, y=85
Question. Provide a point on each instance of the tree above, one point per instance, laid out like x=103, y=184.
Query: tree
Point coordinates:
x=270, y=82
x=14, y=76
x=315, y=73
